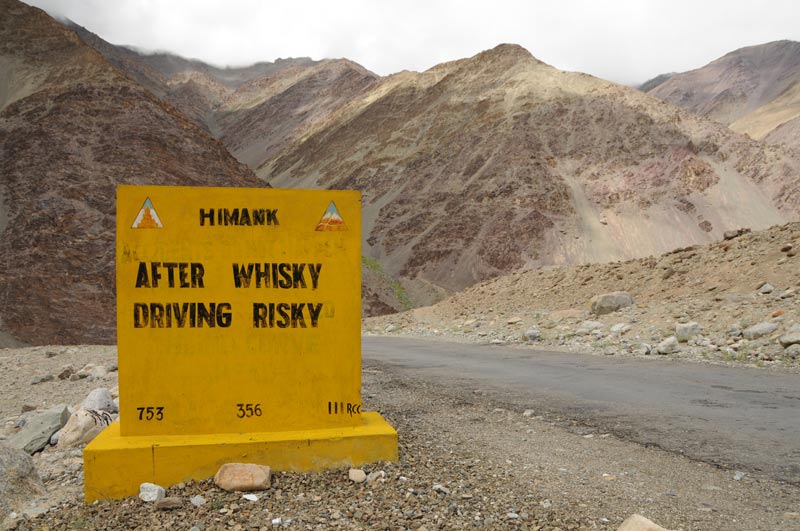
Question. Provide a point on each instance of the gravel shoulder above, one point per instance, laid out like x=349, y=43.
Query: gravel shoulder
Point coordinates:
x=469, y=458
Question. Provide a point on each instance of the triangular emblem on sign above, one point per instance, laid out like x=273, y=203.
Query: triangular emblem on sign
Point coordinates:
x=331, y=220
x=147, y=218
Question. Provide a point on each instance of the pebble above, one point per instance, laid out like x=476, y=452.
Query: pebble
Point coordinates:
x=441, y=489
x=168, y=504
x=766, y=288
x=197, y=500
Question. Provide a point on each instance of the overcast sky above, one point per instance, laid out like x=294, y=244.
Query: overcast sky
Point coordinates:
x=628, y=41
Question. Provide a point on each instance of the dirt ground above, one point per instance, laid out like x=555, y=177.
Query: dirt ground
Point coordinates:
x=469, y=458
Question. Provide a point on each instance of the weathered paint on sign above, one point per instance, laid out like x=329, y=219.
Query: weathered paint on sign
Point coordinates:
x=238, y=309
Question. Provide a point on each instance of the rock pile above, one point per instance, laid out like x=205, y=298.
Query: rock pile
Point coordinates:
x=698, y=303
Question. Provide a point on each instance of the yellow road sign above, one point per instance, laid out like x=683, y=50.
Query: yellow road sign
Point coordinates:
x=238, y=309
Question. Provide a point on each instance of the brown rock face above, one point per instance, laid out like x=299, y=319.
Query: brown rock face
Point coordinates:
x=481, y=166
x=72, y=127
x=755, y=90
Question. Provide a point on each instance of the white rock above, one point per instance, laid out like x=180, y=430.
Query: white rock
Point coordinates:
x=197, y=500
x=98, y=372
x=759, y=330
x=639, y=523
x=668, y=346
x=374, y=476
x=100, y=400
x=528, y=413
x=610, y=302
x=150, y=492
x=685, y=331
x=83, y=426
x=766, y=289
x=620, y=328
x=250, y=497
x=532, y=334
x=390, y=328
x=357, y=475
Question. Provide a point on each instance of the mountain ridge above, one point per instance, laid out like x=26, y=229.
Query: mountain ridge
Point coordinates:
x=751, y=89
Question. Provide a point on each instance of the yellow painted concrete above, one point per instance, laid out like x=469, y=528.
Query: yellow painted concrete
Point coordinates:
x=115, y=465
x=239, y=337
x=302, y=372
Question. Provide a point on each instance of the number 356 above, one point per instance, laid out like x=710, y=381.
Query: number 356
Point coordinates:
x=248, y=410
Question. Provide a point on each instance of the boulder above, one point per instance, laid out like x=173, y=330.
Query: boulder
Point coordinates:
x=83, y=426
x=685, y=331
x=759, y=330
x=36, y=433
x=100, y=399
x=19, y=481
x=243, y=477
x=792, y=351
x=668, y=346
x=791, y=337
x=639, y=523
x=610, y=302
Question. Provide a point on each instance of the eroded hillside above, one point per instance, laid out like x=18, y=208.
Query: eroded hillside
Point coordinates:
x=72, y=127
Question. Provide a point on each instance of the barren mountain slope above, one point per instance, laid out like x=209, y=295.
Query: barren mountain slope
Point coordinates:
x=72, y=127
x=196, y=88
x=484, y=165
x=269, y=113
x=753, y=89
x=764, y=122
x=718, y=285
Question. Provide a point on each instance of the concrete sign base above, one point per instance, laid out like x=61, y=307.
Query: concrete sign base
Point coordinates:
x=115, y=465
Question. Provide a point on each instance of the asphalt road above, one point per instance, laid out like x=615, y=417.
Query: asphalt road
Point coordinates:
x=743, y=419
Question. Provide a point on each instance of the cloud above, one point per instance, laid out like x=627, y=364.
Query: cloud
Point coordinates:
x=625, y=40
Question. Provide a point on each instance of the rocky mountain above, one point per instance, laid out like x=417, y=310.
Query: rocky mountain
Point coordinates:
x=755, y=90
x=656, y=81
x=194, y=87
x=497, y=162
x=255, y=110
x=72, y=127
x=488, y=164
